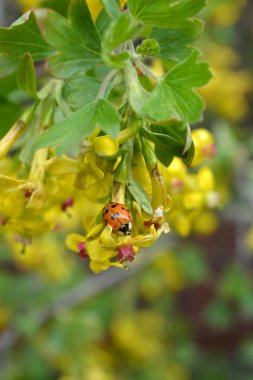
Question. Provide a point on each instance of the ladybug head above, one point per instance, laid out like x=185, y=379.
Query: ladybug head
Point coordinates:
x=125, y=228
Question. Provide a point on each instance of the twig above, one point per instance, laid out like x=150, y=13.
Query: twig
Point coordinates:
x=92, y=286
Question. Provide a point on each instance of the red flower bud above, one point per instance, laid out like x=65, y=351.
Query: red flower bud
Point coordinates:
x=126, y=253
x=67, y=203
x=82, y=253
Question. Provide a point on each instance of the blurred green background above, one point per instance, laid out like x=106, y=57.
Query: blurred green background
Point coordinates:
x=182, y=312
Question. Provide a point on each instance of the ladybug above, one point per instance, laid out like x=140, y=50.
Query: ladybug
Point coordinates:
x=118, y=217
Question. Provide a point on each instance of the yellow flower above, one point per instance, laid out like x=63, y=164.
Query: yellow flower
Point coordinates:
x=111, y=240
x=204, y=146
x=103, y=246
x=105, y=146
x=226, y=93
x=89, y=246
x=205, y=223
x=29, y=4
x=249, y=239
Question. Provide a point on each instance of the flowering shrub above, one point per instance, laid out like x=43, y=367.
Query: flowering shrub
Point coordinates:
x=105, y=119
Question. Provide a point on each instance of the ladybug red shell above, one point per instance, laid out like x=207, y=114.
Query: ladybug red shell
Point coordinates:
x=118, y=217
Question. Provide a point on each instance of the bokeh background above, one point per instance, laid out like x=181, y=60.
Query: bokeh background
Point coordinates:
x=185, y=312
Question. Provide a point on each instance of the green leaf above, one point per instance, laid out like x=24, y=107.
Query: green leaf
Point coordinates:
x=27, y=76
x=140, y=195
x=174, y=97
x=22, y=37
x=102, y=22
x=163, y=156
x=60, y=6
x=194, y=265
x=8, y=84
x=219, y=315
x=107, y=118
x=170, y=141
x=188, y=156
x=69, y=133
x=77, y=41
x=137, y=95
x=111, y=7
x=235, y=284
x=174, y=43
x=165, y=13
x=81, y=90
x=119, y=31
x=9, y=113
x=81, y=20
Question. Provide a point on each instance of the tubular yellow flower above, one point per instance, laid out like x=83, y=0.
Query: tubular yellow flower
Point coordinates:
x=105, y=146
x=111, y=240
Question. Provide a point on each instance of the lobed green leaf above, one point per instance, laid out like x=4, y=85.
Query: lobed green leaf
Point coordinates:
x=81, y=90
x=171, y=140
x=174, y=43
x=174, y=97
x=165, y=13
x=119, y=31
x=111, y=7
x=77, y=41
x=22, y=37
x=69, y=133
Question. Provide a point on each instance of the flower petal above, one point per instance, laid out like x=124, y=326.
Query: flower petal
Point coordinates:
x=146, y=240
x=99, y=266
x=106, y=146
x=98, y=253
x=107, y=239
x=73, y=240
x=94, y=231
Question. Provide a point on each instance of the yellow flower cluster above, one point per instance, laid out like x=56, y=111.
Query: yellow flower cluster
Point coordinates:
x=39, y=194
x=41, y=199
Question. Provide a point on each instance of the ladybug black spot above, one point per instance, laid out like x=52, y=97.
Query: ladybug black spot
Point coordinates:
x=106, y=220
x=123, y=208
x=113, y=205
x=117, y=213
x=112, y=217
x=106, y=211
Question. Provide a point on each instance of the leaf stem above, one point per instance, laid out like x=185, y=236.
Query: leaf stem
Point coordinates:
x=146, y=70
x=106, y=82
x=129, y=132
x=16, y=131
